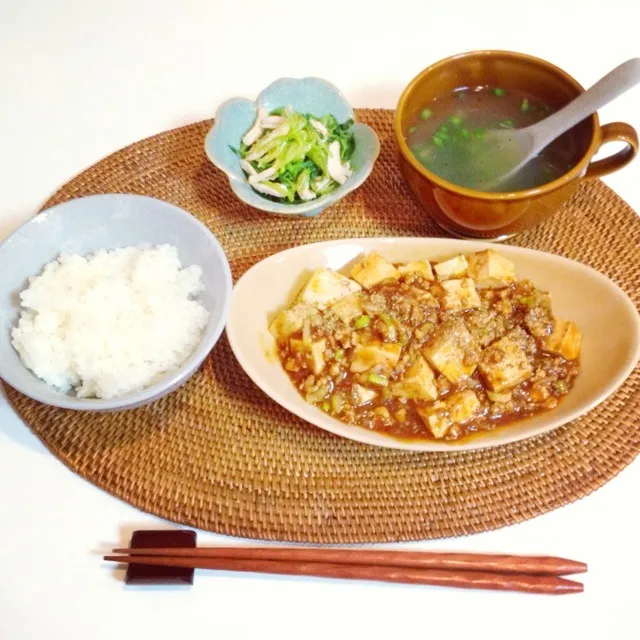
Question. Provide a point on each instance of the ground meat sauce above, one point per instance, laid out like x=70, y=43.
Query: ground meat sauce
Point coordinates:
x=407, y=361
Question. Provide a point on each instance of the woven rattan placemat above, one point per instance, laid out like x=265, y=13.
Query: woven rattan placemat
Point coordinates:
x=219, y=455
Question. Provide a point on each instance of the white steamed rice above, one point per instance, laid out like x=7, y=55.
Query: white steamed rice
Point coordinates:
x=110, y=323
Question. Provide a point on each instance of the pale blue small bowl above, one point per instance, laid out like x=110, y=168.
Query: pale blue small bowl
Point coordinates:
x=307, y=95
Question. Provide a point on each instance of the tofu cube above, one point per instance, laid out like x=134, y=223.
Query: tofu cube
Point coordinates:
x=326, y=286
x=460, y=294
x=362, y=395
x=290, y=320
x=436, y=418
x=385, y=355
x=420, y=266
x=314, y=352
x=417, y=383
x=453, y=268
x=463, y=406
x=373, y=269
x=439, y=416
x=452, y=351
x=490, y=270
x=316, y=355
x=565, y=339
x=348, y=308
x=499, y=398
x=504, y=364
x=297, y=345
x=400, y=415
x=383, y=414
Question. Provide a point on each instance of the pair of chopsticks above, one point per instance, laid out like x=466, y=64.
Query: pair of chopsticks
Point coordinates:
x=529, y=574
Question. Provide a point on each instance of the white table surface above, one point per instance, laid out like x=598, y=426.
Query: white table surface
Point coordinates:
x=79, y=79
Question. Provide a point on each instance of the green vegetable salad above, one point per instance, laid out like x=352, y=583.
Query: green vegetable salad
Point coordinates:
x=296, y=157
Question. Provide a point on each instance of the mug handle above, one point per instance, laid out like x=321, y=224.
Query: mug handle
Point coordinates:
x=615, y=132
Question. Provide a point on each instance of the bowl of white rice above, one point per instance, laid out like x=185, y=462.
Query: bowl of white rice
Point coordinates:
x=109, y=302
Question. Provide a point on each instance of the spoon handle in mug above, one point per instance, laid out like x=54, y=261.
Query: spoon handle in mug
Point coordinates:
x=608, y=88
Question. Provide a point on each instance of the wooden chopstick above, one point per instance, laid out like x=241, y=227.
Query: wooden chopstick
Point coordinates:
x=532, y=565
x=545, y=584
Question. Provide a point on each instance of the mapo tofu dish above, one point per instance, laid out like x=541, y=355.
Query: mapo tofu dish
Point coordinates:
x=425, y=350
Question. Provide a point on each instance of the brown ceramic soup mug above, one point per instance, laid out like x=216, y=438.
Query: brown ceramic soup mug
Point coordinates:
x=476, y=214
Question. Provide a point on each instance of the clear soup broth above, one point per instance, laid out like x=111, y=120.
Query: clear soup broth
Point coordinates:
x=448, y=133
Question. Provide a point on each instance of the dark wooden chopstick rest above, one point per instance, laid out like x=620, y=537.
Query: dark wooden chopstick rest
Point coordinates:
x=172, y=541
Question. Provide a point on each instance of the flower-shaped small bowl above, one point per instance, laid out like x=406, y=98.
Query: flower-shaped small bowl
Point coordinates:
x=307, y=95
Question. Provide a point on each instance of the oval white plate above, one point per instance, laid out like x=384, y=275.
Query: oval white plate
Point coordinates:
x=608, y=319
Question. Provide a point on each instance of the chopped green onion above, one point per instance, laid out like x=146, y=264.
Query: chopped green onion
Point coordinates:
x=362, y=322
x=524, y=106
x=560, y=386
x=527, y=301
x=479, y=133
x=337, y=403
x=377, y=379
x=325, y=406
x=438, y=141
x=466, y=135
x=338, y=355
x=426, y=114
x=443, y=129
x=455, y=120
x=498, y=91
x=507, y=124
x=412, y=129
x=392, y=331
x=387, y=319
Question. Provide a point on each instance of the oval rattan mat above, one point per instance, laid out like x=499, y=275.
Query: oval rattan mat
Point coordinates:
x=219, y=455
